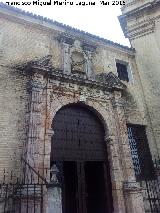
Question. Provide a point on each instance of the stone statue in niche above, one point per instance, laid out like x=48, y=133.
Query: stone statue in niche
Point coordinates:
x=78, y=62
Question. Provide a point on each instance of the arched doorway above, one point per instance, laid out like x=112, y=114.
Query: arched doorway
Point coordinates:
x=79, y=150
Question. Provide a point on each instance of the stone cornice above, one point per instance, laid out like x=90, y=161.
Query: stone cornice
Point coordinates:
x=141, y=28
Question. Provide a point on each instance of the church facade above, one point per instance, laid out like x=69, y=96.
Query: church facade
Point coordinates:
x=79, y=115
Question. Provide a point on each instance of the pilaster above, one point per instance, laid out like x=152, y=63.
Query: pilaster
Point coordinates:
x=132, y=191
x=33, y=153
x=116, y=174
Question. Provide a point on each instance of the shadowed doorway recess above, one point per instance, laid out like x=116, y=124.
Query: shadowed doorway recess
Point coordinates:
x=78, y=146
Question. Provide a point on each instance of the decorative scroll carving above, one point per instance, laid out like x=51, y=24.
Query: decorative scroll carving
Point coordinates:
x=44, y=62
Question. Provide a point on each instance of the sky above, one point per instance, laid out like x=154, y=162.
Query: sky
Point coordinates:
x=98, y=19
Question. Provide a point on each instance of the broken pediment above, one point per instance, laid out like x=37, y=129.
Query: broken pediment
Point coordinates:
x=111, y=80
x=42, y=63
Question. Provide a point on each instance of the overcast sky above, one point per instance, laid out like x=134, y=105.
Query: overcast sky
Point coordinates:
x=97, y=19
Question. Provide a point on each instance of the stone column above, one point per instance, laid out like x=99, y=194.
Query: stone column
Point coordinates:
x=132, y=192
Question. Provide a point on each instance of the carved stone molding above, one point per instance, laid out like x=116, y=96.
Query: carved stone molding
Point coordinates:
x=131, y=186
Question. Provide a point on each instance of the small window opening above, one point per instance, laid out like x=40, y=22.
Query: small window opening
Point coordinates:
x=122, y=71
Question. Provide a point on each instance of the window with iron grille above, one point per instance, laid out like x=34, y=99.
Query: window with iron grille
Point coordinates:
x=140, y=152
x=122, y=71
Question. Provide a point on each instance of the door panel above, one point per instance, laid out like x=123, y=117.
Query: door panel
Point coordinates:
x=78, y=135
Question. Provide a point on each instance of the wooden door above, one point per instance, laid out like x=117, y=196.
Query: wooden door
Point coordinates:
x=78, y=142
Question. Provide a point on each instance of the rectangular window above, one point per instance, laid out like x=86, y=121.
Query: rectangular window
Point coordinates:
x=141, y=156
x=122, y=71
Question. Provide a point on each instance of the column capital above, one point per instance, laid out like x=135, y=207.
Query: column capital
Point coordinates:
x=37, y=82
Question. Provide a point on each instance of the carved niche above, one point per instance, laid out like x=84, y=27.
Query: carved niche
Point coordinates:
x=77, y=57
